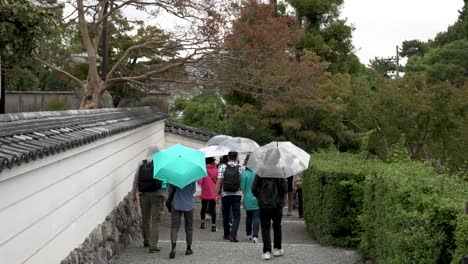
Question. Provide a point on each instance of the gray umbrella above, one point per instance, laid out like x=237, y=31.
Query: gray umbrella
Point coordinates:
x=217, y=139
x=240, y=144
x=278, y=160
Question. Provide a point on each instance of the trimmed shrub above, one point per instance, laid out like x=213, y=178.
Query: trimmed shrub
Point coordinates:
x=410, y=214
x=395, y=213
x=56, y=105
x=333, y=198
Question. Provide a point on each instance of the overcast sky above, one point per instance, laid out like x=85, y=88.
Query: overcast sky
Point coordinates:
x=383, y=24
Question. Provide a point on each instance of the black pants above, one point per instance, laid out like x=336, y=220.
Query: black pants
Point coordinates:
x=231, y=202
x=300, y=208
x=266, y=217
x=210, y=206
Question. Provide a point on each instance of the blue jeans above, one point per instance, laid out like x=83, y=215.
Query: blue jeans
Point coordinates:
x=252, y=222
x=231, y=202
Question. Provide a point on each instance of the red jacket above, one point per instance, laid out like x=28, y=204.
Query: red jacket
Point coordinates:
x=208, y=183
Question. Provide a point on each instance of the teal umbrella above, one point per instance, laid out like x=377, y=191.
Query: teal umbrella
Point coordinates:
x=179, y=165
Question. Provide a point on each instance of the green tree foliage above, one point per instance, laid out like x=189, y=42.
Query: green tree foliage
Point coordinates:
x=202, y=111
x=410, y=48
x=385, y=66
x=327, y=35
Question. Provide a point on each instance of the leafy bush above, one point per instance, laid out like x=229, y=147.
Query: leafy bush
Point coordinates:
x=396, y=213
x=333, y=198
x=56, y=105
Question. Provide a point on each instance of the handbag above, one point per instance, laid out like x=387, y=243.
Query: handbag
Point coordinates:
x=169, y=199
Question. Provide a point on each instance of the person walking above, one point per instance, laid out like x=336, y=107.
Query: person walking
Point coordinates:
x=290, y=195
x=151, y=193
x=298, y=184
x=270, y=194
x=181, y=202
x=229, y=176
x=208, y=193
x=250, y=204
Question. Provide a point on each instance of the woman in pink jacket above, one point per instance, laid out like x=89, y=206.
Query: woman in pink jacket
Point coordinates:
x=208, y=193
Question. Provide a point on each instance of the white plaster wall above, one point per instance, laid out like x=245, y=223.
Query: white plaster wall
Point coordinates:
x=172, y=139
x=49, y=206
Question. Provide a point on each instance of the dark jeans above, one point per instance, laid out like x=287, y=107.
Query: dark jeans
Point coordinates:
x=209, y=205
x=175, y=224
x=231, y=202
x=300, y=208
x=252, y=222
x=266, y=217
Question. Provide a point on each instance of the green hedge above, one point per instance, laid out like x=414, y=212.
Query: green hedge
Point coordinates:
x=333, y=198
x=395, y=213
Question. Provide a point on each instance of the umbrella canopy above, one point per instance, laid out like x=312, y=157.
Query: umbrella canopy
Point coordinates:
x=214, y=151
x=278, y=160
x=240, y=144
x=217, y=139
x=179, y=165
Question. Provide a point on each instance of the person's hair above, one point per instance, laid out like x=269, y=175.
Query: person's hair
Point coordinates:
x=232, y=155
x=209, y=160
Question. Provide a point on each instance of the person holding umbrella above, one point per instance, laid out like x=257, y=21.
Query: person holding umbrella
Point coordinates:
x=229, y=177
x=273, y=163
x=180, y=167
x=208, y=193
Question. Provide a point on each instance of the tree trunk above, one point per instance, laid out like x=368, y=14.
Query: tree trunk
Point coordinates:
x=93, y=90
x=274, y=3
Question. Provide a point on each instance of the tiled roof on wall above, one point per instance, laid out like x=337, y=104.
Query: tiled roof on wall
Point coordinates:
x=188, y=131
x=25, y=137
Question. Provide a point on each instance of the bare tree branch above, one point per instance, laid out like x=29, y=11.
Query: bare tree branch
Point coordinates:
x=59, y=70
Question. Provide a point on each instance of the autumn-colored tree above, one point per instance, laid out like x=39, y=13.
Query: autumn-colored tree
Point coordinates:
x=204, y=22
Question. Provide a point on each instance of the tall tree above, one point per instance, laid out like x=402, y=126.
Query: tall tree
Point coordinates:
x=174, y=49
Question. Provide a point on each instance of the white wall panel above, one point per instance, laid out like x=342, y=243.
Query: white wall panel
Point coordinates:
x=51, y=208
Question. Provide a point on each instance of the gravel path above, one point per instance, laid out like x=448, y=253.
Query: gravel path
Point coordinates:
x=209, y=247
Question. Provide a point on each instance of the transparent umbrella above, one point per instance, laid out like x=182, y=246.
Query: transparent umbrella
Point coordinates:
x=278, y=160
x=214, y=151
x=240, y=144
x=217, y=139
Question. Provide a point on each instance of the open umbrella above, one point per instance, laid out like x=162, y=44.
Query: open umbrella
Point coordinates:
x=217, y=139
x=278, y=160
x=240, y=144
x=214, y=151
x=179, y=165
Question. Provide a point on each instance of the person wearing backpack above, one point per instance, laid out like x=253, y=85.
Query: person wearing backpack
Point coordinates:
x=208, y=193
x=152, y=193
x=229, y=178
x=270, y=194
x=252, y=210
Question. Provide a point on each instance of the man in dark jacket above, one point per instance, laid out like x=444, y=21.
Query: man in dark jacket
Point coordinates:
x=270, y=195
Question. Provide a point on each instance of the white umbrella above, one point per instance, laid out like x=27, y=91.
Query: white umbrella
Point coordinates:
x=217, y=139
x=240, y=144
x=214, y=151
x=278, y=160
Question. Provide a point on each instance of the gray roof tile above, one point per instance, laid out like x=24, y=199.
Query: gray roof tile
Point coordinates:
x=188, y=131
x=25, y=137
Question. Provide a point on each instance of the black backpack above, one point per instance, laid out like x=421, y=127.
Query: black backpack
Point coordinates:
x=231, y=181
x=146, y=182
x=269, y=195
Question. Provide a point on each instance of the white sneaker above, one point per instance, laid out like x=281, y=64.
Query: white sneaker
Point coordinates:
x=266, y=256
x=249, y=238
x=278, y=252
x=255, y=240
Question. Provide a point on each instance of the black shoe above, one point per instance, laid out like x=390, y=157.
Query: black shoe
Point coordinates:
x=227, y=237
x=145, y=244
x=172, y=254
x=202, y=226
x=233, y=239
x=213, y=228
x=188, y=252
x=156, y=249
